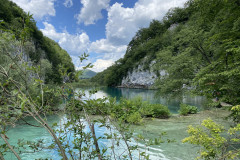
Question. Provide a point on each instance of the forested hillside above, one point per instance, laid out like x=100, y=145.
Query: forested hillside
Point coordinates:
x=87, y=74
x=41, y=50
x=198, y=46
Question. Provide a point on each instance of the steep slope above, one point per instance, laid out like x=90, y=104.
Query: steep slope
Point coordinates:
x=40, y=48
x=196, y=46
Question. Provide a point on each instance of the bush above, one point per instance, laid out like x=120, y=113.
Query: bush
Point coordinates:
x=235, y=114
x=146, y=110
x=183, y=109
x=96, y=106
x=192, y=109
x=129, y=111
x=213, y=104
x=212, y=144
x=134, y=118
x=160, y=111
x=187, y=109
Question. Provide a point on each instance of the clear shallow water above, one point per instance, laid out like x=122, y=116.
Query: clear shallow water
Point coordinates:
x=176, y=128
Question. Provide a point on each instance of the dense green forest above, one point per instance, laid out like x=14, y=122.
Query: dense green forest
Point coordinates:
x=198, y=47
x=41, y=50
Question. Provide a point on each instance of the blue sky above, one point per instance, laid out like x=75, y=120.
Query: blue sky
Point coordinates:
x=101, y=28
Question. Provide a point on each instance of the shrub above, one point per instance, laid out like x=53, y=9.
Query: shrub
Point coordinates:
x=96, y=106
x=213, y=145
x=192, y=109
x=128, y=110
x=134, y=118
x=235, y=114
x=213, y=104
x=187, y=109
x=183, y=109
x=160, y=111
x=146, y=110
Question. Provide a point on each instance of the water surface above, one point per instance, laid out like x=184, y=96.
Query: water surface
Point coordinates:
x=175, y=127
x=151, y=96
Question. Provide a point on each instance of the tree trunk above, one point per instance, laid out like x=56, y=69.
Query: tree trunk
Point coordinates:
x=204, y=54
x=95, y=141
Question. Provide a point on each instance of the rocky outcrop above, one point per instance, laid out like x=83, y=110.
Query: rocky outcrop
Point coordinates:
x=140, y=78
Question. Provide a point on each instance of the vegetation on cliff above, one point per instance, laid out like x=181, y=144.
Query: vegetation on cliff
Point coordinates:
x=40, y=49
x=198, y=46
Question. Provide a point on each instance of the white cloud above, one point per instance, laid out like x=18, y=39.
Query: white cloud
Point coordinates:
x=98, y=66
x=39, y=8
x=50, y=31
x=101, y=64
x=104, y=46
x=68, y=3
x=74, y=44
x=91, y=11
x=122, y=25
x=108, y=53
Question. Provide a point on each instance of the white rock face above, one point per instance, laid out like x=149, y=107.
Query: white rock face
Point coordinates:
x=139, y=78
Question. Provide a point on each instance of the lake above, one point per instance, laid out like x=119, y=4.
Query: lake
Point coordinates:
x=150, y=95
x=175, y=127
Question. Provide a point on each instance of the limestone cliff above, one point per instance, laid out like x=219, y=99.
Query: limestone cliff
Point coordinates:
x=140, y=78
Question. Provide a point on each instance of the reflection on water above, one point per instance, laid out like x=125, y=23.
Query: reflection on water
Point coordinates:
x=150, y=95
x=176, y=129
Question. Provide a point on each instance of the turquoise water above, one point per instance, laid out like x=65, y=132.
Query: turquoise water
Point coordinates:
x=150, y=95
x=176, y=129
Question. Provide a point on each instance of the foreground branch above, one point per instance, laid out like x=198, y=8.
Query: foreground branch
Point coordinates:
x=10, y=147
x=91, y=126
